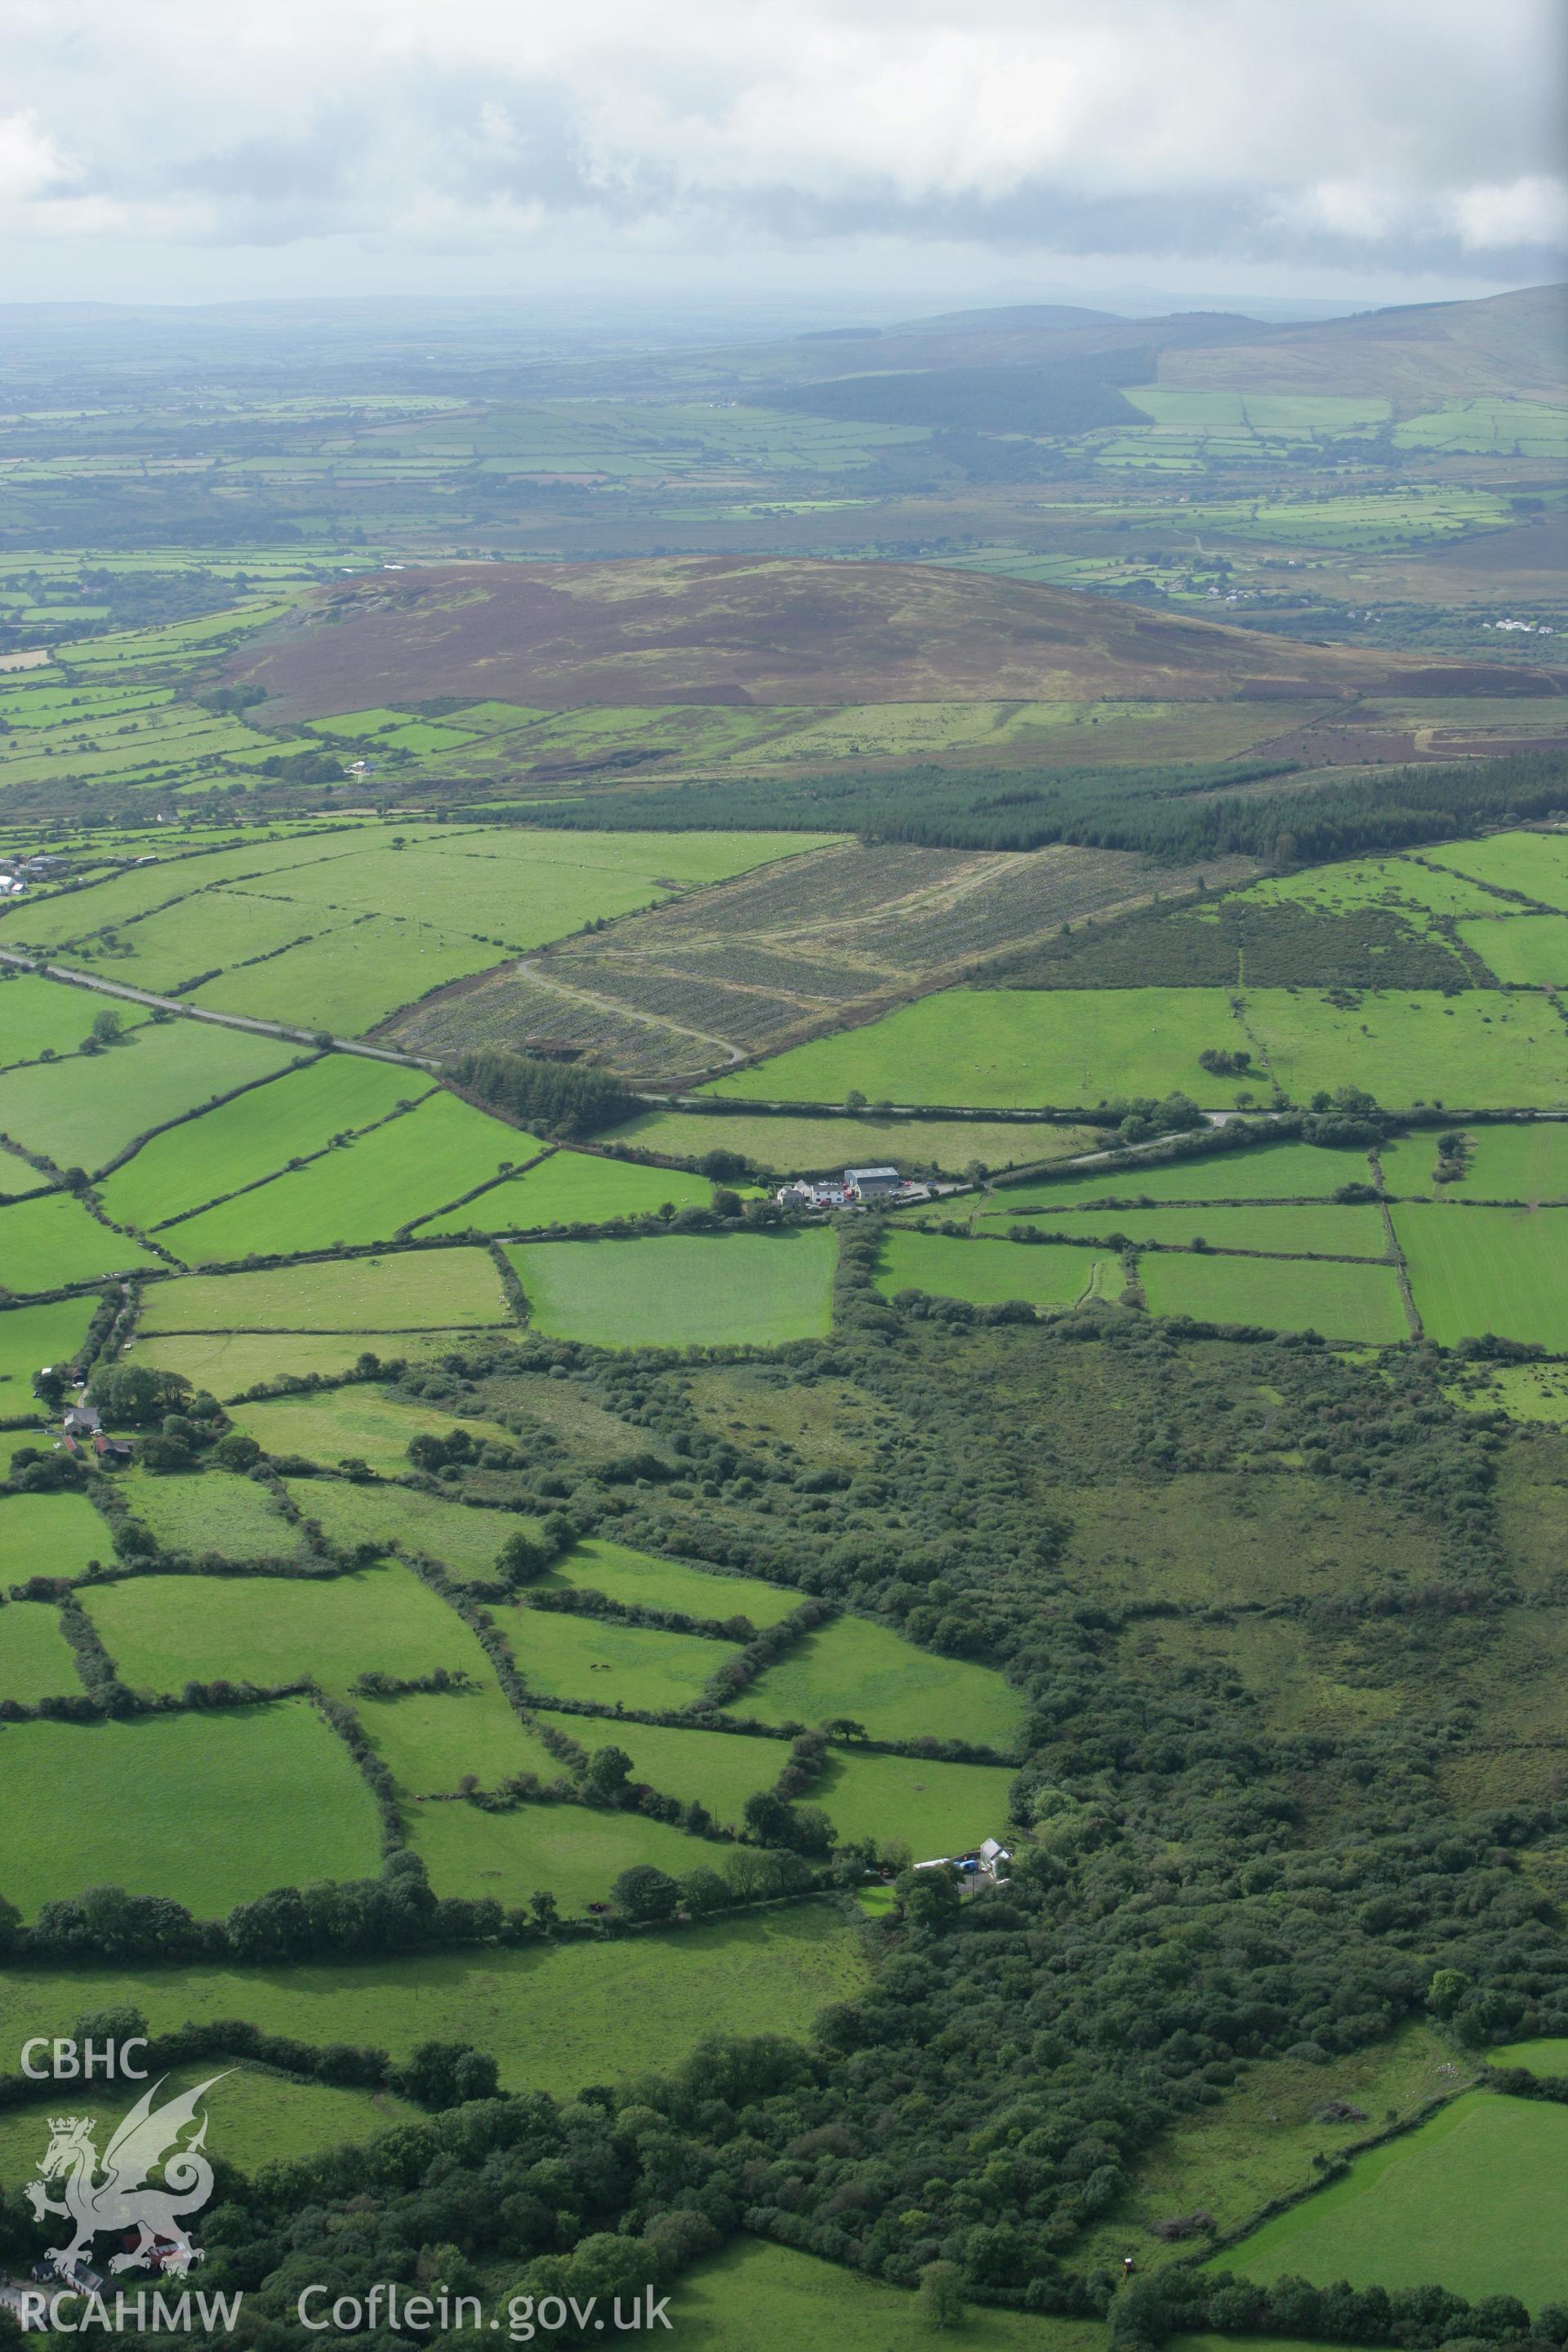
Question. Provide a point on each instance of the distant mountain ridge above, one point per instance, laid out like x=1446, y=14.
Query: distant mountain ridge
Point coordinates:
x=1513, y=346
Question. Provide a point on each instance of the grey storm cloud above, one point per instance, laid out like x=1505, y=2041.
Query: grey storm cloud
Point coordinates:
x=1408, y=136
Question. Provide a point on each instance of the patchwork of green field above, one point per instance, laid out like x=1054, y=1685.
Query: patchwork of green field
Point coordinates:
x=1013, y=1049
x=263, y=1797
x=1341, y=1302
x=253, y=1135
x=1273, y=1171
x=574, y=1188
x=991, y=1273
x=1528, y=1162
x=933, y=1809
x=163, y=1631
x=79, y=1113
x=36, y=1660
x=211, y=1510
x=1293, y=416
x=429, y=1740
x=719, y=1290
x=1290, y=1231
x=52, y=1241
x=355, y=1423
x=1474, y=1270
x=562, y=1656
x=366, y=1190
x=1524, y=428
x=49, y=1535
x=1474, y=2197
x=818, y=1146
x=1409, y=1046
x=258, y=2118
x=575, y=1851
x=869, y=1674
x=230, y=1363
x=31, y=1337
x=637, y=1579
x=556, y=2016
x=772, y=2299
x=1522, y=951
x=352, y=975
x=412, y=1290
x=40, y=1016
x=465, y=1540
x=1533, y=863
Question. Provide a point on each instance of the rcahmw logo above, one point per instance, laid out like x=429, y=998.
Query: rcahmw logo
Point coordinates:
x=118, y=2193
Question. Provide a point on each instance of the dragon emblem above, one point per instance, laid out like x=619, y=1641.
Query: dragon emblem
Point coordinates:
x=144, y=2142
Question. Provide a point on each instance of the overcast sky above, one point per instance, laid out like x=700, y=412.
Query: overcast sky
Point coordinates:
x=195, y=150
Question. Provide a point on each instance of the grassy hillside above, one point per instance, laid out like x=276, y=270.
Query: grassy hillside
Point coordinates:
x=1510, y=343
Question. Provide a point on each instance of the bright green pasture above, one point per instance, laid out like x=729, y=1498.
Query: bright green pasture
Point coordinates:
x=1402, y=884
x=575, y=1188
x=933, y=1809
x=897, y=1691
x=163, y=1631
x=342, y=1424
x=253, y=1798
x=684, y=1289
x=575, y=1851
x=163, y=950
x=1474, y=1270
x=36, y=1660
x=1545, y=2055
x=211, y=1510
x=1321, y=1230
x=819, y=1147
x=989, y=1272
x=52, y=1241
x=429, y=1740
x=1525, y=1393
x=463, y=1539
x=716, y=1769
x=556, y=2016
x=773, y=2299
x=1275, y=1172
x=229, y=1362
x=79, y=1113
x=1475, y=2199
x=364, y=1192
x=256, y=2117
x=37, y=1014
x=562, y=1656
x=1528, y=1162
x=1406, y=1046
x=412, y=1290
x=1535, y=864
x=49, y=1535
x=254, y=1136
x=638, y=1579
x=31, y=1337
x=350, y=975
x=1013, y=1048
x=1523, y=951
x=514, y=890
x=1342, y=1302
